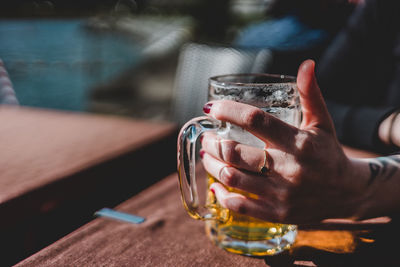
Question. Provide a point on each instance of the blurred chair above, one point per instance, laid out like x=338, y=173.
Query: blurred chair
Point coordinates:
x=7, y=93
x=198, y=62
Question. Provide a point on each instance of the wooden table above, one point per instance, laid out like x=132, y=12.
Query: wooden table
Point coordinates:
x=57, y=168
x=169, y=237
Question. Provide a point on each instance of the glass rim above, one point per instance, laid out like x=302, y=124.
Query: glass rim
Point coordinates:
x=283, y=79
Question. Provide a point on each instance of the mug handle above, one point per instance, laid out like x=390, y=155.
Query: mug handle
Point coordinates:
x=187, y=139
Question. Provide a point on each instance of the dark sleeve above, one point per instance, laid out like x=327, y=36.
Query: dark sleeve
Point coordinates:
x=348, y=66
x=358, y=126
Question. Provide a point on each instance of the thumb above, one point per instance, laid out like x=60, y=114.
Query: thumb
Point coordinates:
x=315, y=112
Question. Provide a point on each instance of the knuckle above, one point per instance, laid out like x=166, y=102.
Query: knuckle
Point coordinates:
x=294, y=175
x=228, y=151
x=308, y=146
x=228, y=177
x=254, y=118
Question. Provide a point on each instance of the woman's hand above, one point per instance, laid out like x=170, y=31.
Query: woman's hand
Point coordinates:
x=309, y=178
x=389, y=130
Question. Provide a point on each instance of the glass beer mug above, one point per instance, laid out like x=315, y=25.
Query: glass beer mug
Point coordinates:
x=275, y=94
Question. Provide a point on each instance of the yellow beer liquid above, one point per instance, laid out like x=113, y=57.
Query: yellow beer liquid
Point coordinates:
x=243, y=234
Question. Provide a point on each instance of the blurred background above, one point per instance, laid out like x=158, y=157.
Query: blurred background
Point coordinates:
x=121, y=56
x=110, y=56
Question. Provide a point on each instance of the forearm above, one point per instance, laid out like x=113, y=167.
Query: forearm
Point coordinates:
x=379, y=186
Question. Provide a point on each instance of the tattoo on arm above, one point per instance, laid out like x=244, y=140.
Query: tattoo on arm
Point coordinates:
x=374, y=168
x=385, y=167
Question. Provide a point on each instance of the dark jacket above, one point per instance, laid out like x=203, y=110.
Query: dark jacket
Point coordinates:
x=359, y=73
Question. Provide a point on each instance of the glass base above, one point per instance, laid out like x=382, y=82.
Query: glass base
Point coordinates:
x=266, y=247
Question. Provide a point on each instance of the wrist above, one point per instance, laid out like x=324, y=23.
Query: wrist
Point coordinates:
x=378, y=185
x=358, y=176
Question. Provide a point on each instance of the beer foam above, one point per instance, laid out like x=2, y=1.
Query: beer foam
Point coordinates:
x=269, y=95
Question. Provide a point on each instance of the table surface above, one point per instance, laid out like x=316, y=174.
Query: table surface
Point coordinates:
x=59, y=167
x=57, y=144
x=169, y=237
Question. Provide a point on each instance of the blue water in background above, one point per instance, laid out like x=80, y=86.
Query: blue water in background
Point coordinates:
x=55, y=63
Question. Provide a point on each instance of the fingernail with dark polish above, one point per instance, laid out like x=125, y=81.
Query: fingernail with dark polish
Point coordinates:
x=207, y=108
x=201, y=153
x=212, y=190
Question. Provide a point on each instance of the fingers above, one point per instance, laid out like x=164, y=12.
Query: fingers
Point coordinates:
x=232, y=177
x=235, y=154
x=263, y=125
x=315, y=112
x=245, y=205
x=243, y=164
